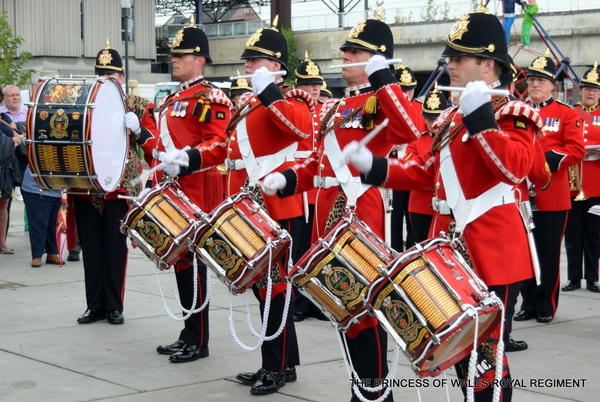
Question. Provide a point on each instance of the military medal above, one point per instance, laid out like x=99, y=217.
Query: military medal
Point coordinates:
x=345, y=114
x=184, y=109
x=546, y=124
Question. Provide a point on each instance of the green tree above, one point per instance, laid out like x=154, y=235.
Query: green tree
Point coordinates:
x=292, y=59
x=11, y=65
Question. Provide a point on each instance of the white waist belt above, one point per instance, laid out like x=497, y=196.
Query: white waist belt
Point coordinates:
x=234, y=164
x=440, y=206
x=325, y=182
x=592, y=157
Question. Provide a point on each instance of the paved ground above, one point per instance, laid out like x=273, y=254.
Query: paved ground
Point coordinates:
x=46, y=356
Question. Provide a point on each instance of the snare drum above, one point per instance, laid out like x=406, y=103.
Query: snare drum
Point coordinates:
x=420, y=304
x=335, y=272
x=161, y=222
x=237, y=240
x=76, y=134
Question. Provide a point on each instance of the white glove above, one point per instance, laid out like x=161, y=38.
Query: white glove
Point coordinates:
x=376, y=63
x=473, y=97
x=173, y=160
x=261, y=79
x=273, y=182
x=143, y=193
x=362, y=158
x=132, y=123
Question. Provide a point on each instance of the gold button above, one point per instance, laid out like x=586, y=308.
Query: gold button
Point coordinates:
x=452, y=124
x=342, y=103
x=337, y=115
x=322, y=167
x=228, y=150
x=437, y=185
x=232, y=138
x=316, y=123
x=585, y=139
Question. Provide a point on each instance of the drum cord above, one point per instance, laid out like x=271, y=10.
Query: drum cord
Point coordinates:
x=499, y=355
x=473, y=359
x=191, y=310
x=262, y=338
x=353, y=374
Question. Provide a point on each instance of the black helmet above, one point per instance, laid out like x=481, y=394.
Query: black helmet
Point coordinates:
x=478, y=34
x=434, y=104
x=405, y=78
x=268, y=43
x=108, y=61
x=308, y=72
x=240, y=86
x=542, y=66
x=373, y=35
x=325, y=91
x=590, y=78
x=191, y=40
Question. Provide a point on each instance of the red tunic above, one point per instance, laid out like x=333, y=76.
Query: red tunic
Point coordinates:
x=589, y=169
x=563, y=135
x=496, y=240
x=197, y=117
x=420, y=199
x=284, y=121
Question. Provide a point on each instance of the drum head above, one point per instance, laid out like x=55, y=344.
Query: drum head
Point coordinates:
x=109, y=135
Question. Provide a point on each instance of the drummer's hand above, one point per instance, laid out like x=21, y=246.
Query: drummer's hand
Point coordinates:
x=132, y=122
x=361, y=158
x=473, y=97
x=272, y=183
x=261, y=79
x=17, y=140
x=171, y=167
x=143, y=193
x=375, y=64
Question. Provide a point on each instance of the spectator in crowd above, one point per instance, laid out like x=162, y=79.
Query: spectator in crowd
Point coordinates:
x=531, y=10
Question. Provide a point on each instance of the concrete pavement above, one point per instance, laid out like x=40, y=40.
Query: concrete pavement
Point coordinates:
x=46, y=356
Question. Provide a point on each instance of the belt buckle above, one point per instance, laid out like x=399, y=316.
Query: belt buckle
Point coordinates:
x=319, y=182
x=230, y=164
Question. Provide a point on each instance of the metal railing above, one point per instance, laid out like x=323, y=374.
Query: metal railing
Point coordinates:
x=318, y=17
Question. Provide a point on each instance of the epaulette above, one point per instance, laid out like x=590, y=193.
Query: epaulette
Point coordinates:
x=300, y=96
x=244, y=99
x=563, y=103
x=522, y=109
x=444, y=116
x=216, y=95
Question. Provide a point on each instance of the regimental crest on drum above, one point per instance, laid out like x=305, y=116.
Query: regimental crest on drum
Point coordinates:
x=152, y=234
x=59, y=123
x=69, y=93
x=341, y=282
x=220, y=251
x=403, y=320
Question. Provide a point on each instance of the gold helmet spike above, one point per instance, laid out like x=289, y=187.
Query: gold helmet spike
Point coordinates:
x=401, y=65
x=107, y=44
x=380, y=13
x=306, y=55
x=238, y=72
x=275, y=22
x=595, y=65
x=192, y=24
x=547, y=53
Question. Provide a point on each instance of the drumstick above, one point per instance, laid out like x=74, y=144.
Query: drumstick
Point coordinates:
x=160, y=166
x=372, y=134
x=273, y=73
x=131, y=84
x=499, y=92
x=364, y=63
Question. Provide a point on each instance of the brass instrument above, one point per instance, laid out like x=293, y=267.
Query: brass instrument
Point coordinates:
x=575, y=182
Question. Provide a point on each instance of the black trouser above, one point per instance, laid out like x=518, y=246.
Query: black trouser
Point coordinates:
x=195, y=330
x=548, y=232
x=104, y=252
x=582, y=241
x=282, y=351
x=486, y=353
x=420, y=224
x=368, y=354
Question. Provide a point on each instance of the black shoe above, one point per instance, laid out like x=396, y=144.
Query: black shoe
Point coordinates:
x=300, y=316
x=593, y=287
x=523, y=316
x=172, y=348
x=268, y=382
x=514, y=346
x=189, y=353
x=544, y=318
x=73, y=255
x=321, y=317
x=92, y=315
x=570, y=286
x=249, y=378
x=115, y=317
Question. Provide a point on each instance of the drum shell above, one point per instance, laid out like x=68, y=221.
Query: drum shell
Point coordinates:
x=420, y=305
x=238, y=240
x=76, y=135
x=333, y=279
x=161, y=223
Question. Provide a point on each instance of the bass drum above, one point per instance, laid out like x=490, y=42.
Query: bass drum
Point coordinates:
x=76, y=134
